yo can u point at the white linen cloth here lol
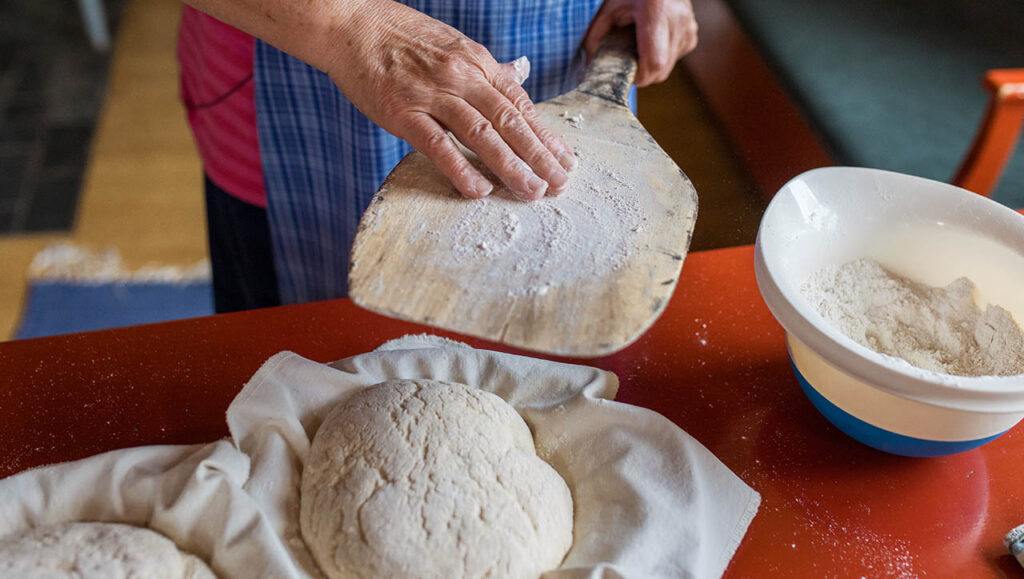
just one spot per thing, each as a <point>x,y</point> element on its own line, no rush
<point>650,501</point>
<point>191,494</point>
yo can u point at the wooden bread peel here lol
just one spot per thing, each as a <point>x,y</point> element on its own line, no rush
<point>583,274</point>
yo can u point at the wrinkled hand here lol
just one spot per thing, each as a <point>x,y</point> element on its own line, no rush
<point>666,30</point>
<point>417,77</point>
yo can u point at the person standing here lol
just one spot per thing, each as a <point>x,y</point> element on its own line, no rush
<point>300,109</point>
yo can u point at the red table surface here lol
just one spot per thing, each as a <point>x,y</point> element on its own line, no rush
<point>715,363</point>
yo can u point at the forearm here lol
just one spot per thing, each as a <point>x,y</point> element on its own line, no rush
<point>417,78</point>
<point>315,31</point>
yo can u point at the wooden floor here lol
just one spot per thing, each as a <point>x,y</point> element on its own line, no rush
<point>142,192</point>
<point>142,186</point>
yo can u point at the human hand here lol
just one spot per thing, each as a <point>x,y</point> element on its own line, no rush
<point>416,77</point>
<point>666,30</point>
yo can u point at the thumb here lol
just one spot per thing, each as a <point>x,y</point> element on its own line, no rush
<point>518,69</point>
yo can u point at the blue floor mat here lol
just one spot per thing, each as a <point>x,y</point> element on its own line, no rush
<point>62,307</point>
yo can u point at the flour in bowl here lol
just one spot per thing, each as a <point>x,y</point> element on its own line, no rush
<point>935,328</point>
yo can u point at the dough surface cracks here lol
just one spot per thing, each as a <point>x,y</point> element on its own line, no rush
<point>419,478</point>
<point>86,550</point>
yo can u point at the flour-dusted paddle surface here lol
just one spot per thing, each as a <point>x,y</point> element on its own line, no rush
<point>86,550</point>
<point>421,478</point>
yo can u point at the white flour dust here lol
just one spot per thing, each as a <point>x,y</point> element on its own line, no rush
<point>533,247</point>
<point>573,120</point>
<point>67,261</point>
<point>935,328</point>
<point>485,231</point>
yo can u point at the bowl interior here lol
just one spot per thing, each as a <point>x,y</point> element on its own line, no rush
<point>925,230</point>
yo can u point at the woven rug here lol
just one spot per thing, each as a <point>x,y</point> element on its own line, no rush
<point>76,290</point>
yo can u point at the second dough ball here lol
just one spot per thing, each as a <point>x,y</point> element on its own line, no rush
<point>419,478</point>
<point>91,550</point>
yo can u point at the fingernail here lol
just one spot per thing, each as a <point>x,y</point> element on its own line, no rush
<point>567,160</point>
<point>559,189</point>
<point>559,180</point>
<point>537,186</point>
<point>483,187</point>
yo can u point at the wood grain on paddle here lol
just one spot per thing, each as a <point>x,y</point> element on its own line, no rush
<point>583,274</point>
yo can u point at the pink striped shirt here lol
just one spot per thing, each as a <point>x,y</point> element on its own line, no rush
<point>216,63</point>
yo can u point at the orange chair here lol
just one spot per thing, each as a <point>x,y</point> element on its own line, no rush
<point>998,134</point>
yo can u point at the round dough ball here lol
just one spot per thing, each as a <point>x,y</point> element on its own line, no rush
<point>96,551</point>
<point>427,479</point>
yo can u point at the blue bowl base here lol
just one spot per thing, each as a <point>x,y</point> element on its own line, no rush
<point>882,439</point>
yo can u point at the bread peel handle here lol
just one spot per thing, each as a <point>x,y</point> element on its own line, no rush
<point>610,73</point>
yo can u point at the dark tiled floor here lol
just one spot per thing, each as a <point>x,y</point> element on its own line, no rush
<point>51,91</point>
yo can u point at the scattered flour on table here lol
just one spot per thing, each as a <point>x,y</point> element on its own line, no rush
<point>935,328</point>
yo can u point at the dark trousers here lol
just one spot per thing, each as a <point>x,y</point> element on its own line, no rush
<point>240,253</point>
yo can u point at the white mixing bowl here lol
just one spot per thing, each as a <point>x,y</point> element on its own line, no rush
<point>921,229</point>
